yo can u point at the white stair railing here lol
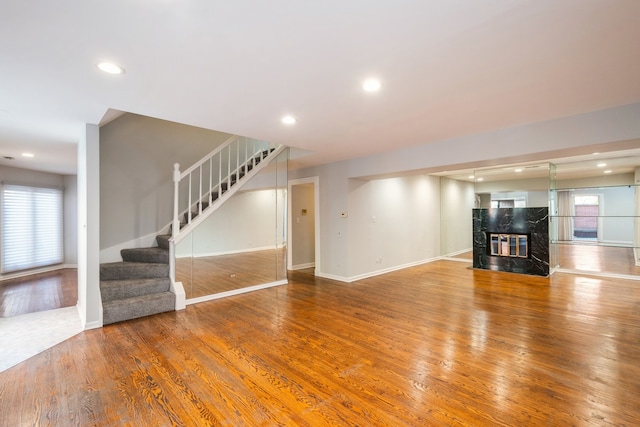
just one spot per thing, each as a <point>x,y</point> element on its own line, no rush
<point>214,178</point>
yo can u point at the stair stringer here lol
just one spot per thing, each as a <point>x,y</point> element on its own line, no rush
<point>216,204</point>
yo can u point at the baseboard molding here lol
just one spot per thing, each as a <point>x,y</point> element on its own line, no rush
<point>303,266</point>
<point>26,273</point>
<point>377,272</point>
<point>178,290</point>
<point>597,274</point>
<point>235,292</point>
<point>239,251</point>
<point>454,254</point>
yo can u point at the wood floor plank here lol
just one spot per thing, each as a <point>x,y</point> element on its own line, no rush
<point>39,292</point>
<point>438,344</point>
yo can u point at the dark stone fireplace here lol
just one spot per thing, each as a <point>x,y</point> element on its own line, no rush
<point>511,239</point>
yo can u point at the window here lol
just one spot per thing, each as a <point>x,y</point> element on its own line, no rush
<point>31,227</point>
<point>585,221</point>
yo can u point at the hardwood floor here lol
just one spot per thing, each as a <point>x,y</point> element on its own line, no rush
<point>596,258</point>
<point>438,344</point>
<point>210,275</point>
<point>39,292</point>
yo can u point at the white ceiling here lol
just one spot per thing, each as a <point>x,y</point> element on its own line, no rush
<point>448,68</point>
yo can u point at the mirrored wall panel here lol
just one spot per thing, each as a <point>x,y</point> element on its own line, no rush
<point>243,243</point>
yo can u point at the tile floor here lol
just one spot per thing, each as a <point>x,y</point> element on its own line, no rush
<point>24,336</point>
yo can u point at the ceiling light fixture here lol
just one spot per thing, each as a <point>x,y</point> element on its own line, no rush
<point>608,171</point>
<point>371,85</point>
<point>110,68</point>
<point>27,154</point>
<point>518,170</point>
<point>471,176</point>
<point>480,179</point>
<point>289,120</point>
<point>601,165</point>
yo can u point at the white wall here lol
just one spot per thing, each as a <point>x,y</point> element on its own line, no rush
<point>456,225</point>
<point>605,130</point>
<point>71,220</point>
<point>136,163</point>
<point>89,301</point>
<point>393,222</point>
<point>246,222</point>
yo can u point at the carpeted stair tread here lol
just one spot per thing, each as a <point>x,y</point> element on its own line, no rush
<point>150,255</point>
<point>133,270</point>
<point>121,289</point>
<point>163,240</point>
<point>140,306</point>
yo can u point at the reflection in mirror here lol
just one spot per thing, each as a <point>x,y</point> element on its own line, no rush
<point>242,243</point>
<point>595,219</point>
<point>594,208</point>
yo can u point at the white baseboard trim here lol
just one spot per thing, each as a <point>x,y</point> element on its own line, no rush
<point>93,325</point>
<point>377,272</point>
<point>235,252</point>
<point>448,258</point>
<point>235,292</point>
<point>453,254</point>
<point>112,254</point>
<point>178,290</point>
<point>597,274</point>
<point>303,266</point>
<point>332,277</point>
<point>26,273</point>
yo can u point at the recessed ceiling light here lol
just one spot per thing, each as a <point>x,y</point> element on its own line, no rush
<point>471,176</point>
<point>288,120</point>
<point>601,165</point>
<point>480,179</point>
<point>518,170</point>
<point>27,154</point>
<point>110,68</point>
<point>371,85</point>
<point>608,171</point>
<point>595,154</point>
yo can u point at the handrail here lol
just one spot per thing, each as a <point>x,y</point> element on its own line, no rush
<point>225,167</point>
<point>208,156</point>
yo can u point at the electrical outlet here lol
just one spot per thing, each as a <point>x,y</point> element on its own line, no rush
<point>378,260</point>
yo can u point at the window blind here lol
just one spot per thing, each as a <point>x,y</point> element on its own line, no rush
<point>31,227</point>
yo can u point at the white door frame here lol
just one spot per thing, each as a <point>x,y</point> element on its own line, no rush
<point>315,180</point>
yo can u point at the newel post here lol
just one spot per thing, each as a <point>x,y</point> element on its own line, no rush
<point>176,184</point>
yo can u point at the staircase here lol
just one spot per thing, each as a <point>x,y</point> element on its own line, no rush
<point>139,285</point>
<point>142,284</point>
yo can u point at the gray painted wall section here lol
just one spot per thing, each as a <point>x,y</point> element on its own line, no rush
<point>136,162</point>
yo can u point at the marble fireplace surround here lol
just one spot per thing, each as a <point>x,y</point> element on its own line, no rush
<point>533,222</point>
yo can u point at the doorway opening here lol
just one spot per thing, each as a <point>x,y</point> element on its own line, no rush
<point>585,220</point>
<point>303,231</point>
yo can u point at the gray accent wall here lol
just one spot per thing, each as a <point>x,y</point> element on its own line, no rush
<point>137,154</point>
